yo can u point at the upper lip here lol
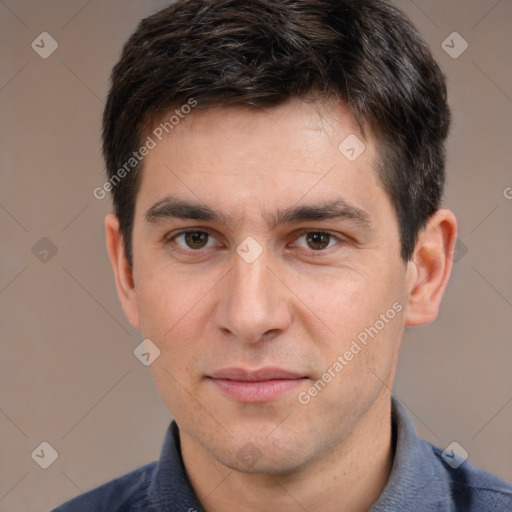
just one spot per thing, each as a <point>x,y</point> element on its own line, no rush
<point>261,374</point>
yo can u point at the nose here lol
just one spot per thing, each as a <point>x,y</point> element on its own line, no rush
<point>253,304</point>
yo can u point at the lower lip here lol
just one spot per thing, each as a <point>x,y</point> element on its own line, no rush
<point>261,391</point>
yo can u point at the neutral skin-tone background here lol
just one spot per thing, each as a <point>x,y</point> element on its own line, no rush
<point>68,373</point>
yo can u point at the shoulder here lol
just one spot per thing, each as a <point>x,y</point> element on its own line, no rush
<point>472,488</point>
<point>127,493</point>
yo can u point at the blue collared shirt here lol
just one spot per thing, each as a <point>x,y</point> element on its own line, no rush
<point>420,481</point>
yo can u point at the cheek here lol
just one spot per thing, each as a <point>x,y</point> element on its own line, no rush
<point>168,300</point>
<point>363,320</point>
<point>172,315</point>
<point>347,304</point>
<point>356,363</point>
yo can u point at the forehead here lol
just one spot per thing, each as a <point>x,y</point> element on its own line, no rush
<point>252,159</point>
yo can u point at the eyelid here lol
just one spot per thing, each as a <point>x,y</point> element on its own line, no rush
<point>171,236</point>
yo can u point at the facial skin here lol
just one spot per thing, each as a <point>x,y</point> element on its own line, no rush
<point>297,307</point>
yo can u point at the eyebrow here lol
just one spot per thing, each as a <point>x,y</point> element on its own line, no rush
<point>173,207</point>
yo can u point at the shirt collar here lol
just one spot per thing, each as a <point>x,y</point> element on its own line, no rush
<point>414,483</point>
<point>170,488</point>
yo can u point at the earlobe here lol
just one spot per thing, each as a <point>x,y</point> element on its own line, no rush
<point>430,268</point>
<point>122,271</point>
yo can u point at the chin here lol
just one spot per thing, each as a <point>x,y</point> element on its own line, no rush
<point>259,455</point>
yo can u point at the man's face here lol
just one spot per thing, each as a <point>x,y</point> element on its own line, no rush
<point>210,304</point>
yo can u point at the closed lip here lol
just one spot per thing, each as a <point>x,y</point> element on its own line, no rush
<point>259,375</point>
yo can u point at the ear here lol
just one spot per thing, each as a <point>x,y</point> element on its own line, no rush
<point>430,268</point>
<point>122,271</point>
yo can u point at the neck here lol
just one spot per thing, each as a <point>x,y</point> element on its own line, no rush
<point>350,478</point>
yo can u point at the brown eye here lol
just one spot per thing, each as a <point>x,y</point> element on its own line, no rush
<point>192,239</point>
<point>318,240</point>
<point>196,239</point>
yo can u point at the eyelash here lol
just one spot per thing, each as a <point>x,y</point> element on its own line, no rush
<point>169,240</point>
